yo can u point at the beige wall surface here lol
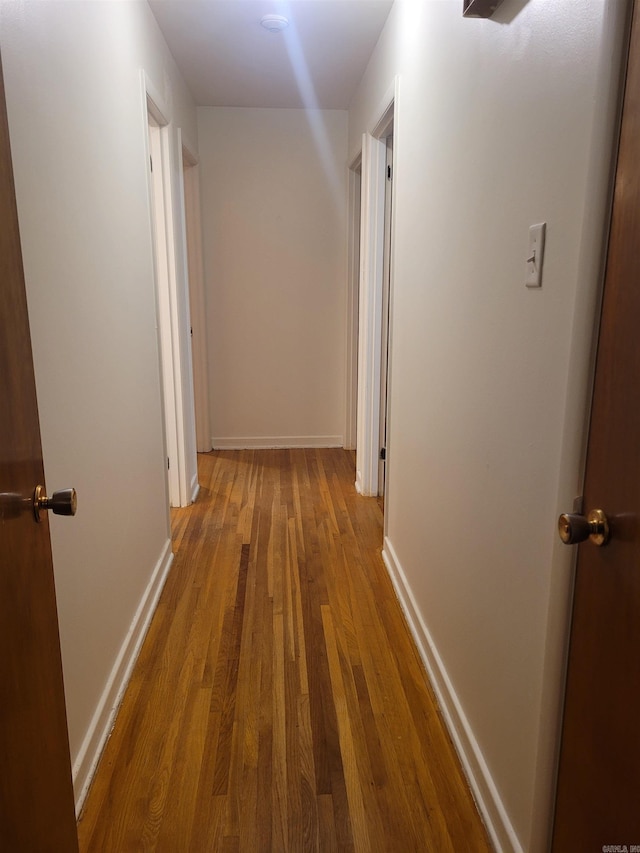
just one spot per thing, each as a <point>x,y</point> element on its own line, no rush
<point>500,124</point>
<point>77,126</point>
<point>274,194</point>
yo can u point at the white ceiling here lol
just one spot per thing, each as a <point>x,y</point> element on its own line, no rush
<point>228,59</point>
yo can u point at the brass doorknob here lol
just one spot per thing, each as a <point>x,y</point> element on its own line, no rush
<point>574,528</point>
<point>64,502</point>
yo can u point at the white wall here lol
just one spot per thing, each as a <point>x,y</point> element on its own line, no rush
<point>499,124</point>
<point>274,193</point>
<point>78,129</point>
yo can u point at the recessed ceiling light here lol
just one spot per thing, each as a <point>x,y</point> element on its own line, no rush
<point>274,23</point>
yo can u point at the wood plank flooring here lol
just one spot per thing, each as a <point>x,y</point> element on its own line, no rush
<point>278,703</point>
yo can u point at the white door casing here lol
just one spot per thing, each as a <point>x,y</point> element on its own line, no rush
<point>197,299</point>
<point>170,269</point>
<point>353,294</point>
<point>370,314</point>
<point>370,305</point>
<point>386,315</point>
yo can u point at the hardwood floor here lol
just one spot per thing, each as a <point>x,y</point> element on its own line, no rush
<point>278,703</point>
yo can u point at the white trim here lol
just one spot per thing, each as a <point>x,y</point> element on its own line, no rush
<point>353,283</point>
<point>107,708</point>
<point>486,794</point>
<point>383,115</point>
<point>176,286</point>
<point>167,218</point>
<point>372,221</point>
<point>385,326</point>
<point>264,442</point>
<point>370,312</point>
<point>385,126</point>
<point>164,302</point>
<point>379,114</point>
<point>197,302</point>
<point>163,325</point>
<point>184,355</point>
<point>392,117</point>
<point>154,103</point>
<point>153,110</point>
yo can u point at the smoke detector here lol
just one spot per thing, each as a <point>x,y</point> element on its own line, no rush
<point>274,23</point>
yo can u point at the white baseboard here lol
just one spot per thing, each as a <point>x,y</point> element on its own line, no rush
<point>195,488</point>
<point>482,785</point>
<point>84,767</point>
<point>267,442</point>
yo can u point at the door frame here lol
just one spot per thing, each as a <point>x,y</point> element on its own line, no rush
<point>370,333</point>
<point>197,300</point>
<point>189,486</point>
<point>353,290</point>
<point>167,222</point>
<point>385,350</point>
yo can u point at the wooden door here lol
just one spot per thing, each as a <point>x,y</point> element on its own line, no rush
<point>598,796</point>
<point>36,795</point>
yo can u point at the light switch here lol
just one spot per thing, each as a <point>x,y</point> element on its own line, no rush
<point>535,255</point>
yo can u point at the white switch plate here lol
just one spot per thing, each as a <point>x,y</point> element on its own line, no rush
<point>535,256</point>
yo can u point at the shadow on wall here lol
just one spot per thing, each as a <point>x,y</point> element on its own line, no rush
<point>508,11</point>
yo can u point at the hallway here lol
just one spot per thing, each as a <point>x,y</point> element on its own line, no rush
<point>278,703</point>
